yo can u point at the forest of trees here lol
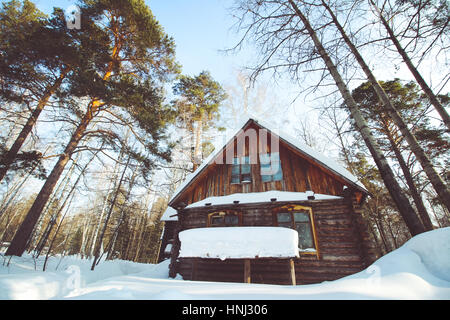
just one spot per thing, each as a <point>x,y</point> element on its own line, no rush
<point>129,125</point>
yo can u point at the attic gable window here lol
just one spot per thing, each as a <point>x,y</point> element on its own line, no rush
<point>270,167</point>
<point>241,170</point>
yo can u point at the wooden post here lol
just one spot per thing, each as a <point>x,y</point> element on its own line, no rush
<point>247,278</point>
<point>292,271</point>
<point>194,269</point>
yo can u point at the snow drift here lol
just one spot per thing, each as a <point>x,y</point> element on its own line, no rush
<point>420,269</point>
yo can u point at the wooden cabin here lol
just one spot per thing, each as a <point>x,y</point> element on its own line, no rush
<point>264,178</point>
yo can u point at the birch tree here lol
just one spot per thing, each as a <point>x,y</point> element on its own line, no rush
<point>443,30</point>
<point>286,23</point>
<point>435,178</point>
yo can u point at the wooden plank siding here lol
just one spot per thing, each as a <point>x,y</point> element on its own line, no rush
<point>338,243</point>
<point>299,175</point>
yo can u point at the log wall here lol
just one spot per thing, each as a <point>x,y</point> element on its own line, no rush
<point>339,236</point>
<point>167,238</point>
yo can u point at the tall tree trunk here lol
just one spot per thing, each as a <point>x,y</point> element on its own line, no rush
<point>435,179</point>
<point>112,242</point>
<point>105,202</point>
<point>19,242</point>
<point>423,213</point>
<point>54,218</point>
<point>50,248</point>
<point>55,196</point>
<point>12,152</point>
<point>141,228</point>
<point>406,210</point>
<point>84,235</point>
<point>380,227</point>
<point>391,232</point>
<point>100,240</point>
<point>198,144</point>
<point>430,94</point>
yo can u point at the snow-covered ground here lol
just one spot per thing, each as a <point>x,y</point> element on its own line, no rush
<point>420,269</point>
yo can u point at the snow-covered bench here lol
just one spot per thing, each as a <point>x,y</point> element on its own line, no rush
<point>241,243</point>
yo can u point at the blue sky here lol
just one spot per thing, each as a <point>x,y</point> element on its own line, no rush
<point>201,28</point>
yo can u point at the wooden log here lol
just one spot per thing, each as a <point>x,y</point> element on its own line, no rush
<point>292,271</point>
<point>247,271</point>
<point>194,269</point>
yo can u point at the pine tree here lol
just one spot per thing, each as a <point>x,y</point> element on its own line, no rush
<point>75,243</point>
<point>141,57</point>
<point>412,106</point>
<point>32,74</point>
<point>197,108</point>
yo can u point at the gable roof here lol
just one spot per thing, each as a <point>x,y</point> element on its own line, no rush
<point>305,150</point>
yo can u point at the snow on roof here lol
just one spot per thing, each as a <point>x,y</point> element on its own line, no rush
<point>257,197</point>
<point>168,248</point>
<point>329,163</point>
<point>239,242</point>
<point>168,213</point>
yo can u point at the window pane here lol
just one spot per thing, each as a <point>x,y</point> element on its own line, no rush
<point>284,217</point>
<point>267,178</point>
<point>245,168</point>
<point>285,225</point>
<point>231,219</point>
<point>305,238</point>
<point>246,178</point>
<point>235,179</point>
<point>264,158</point>
<point>235,169</point>
<point>275,157</point>
<point>235,160</point>
<point>301,217</point>
<point>270,167</point>
<point>216,221</point>
<point>279,175</point>
<point>266,170</point>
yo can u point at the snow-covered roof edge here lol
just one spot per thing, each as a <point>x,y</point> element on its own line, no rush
<point>190,177</point>
<point>260,197</point>
<point>169,215</point>
<point>303,148</point>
